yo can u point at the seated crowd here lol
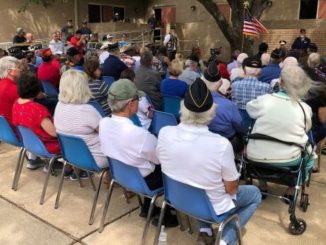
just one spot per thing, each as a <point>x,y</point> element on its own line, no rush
<point>285,97</point>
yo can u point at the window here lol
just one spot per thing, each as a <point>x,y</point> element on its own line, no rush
<point>103,13</point>
<point>308,9</point>
<point>94,13</point>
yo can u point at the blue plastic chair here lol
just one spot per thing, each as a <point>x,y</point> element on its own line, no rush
<point>97,106</point>
<point>130,178</point>
<point>171,104</point>
<point>33,144</point>
<point>8,136</point>
<point>49,89</point>
<point>108,80</point>
<point>193,202</point>
<point>136,120</point>
<point>246,120</point>
<point>161,119</point>
<point>75,152</point>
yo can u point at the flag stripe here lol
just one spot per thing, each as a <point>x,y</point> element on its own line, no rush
<point>252,26</point>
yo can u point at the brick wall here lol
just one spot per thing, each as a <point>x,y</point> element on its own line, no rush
<point>316,35</point>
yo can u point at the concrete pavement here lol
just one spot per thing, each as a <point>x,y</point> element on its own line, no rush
<point>24,221</point>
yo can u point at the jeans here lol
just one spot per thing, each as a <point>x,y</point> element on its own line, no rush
<point>248,199</point>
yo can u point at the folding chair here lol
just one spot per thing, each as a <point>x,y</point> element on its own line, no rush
<point>171,104</point>
<point>193,202</point>
<point>8,136</point>
<point>130,178</point>
<point>76,153</point>
<point>33,144</point>
<point>49,89</point>
<point>161,119</point>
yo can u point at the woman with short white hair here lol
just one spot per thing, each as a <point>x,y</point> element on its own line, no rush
<point>238,73</point>
<point>74,116</point>
<point>283,116</point>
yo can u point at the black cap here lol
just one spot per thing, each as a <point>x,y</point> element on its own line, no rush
<point>198,98</point>
<point>72,52</point>
<point>278,53</point>
<point>252,62</point>
<point>212,73</point>
<point>194,58</point>
<point>79,32</point>
<point>282,42</point>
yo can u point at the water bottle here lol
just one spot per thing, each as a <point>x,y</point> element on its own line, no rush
<point>163,238</point>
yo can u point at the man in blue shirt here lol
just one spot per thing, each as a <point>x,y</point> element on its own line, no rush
<point>273,69</point>
<point>249,88</point>
<point>113,66</point>
<point>227,121</point>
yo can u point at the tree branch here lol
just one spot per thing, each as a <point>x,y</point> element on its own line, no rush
<point>225,27</point>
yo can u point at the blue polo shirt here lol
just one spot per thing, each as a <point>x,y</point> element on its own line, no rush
<point>113,67</point>
<point>227,121</point>
<point>174,87</point>
<point>270,72</point>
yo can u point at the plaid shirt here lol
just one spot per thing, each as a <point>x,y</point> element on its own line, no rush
<point>248,89</point>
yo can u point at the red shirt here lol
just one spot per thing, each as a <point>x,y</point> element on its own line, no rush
<point>49,72</point>
<point>8,96</point>
<point>73,41</point>
<point>224,71</point>
<point>30,115</point>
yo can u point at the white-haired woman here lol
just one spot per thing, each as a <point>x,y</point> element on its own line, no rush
<point>285,117</point>
<point>74,116</point>
<point>238,73</point>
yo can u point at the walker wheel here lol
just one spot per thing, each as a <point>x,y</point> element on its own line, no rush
<point>297,227</point>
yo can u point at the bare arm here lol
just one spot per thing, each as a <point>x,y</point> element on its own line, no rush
<point>231,187</point>
<point>48,127</point>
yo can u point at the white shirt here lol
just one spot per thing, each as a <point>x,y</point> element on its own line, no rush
<point>144,108</point>
<point>103,56</point>
<point>81,120</point>
<point>195,156</point>
<point>277,116</point>
<point>128,143</point>
<point>56,47</point>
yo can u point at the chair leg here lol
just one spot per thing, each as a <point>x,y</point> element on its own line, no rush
<point>47,180</point>
<point>77,174</point>
<point>106,206</point>
<point>56,205</point>
<point>19,164</point>
<point>235,218</point>
<point>160,220</point>
<point>91,179</point>
<point>148,219</point>
<point>91,218</point>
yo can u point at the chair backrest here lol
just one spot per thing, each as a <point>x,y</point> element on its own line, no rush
<point>128,176</point>
<point>108,80</point>
<point>76,152</point>
<point>97,106</point>
<point>161,119</point>
<point>7,134</point>
<point>188,199</point>
<point>136,120</point>
<point>171,104</point>
<point>49,89</point>
<point>246,120</point>
<point>32,142</point>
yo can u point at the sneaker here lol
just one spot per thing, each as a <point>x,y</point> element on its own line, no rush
<point>35,164</point>
<point>82,175</point>
<point>56,167</point>
<point>205,239</point>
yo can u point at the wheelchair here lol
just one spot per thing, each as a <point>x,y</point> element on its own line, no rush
<point>282,175</point>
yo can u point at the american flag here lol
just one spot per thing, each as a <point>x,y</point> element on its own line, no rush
<point>252,26</point>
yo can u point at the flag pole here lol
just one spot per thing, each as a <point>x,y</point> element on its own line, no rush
<point>245,5</point>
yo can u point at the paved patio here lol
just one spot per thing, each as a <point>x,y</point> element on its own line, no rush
<point>24,221</point>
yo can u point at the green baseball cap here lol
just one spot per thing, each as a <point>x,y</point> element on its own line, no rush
<point>124,89</point>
